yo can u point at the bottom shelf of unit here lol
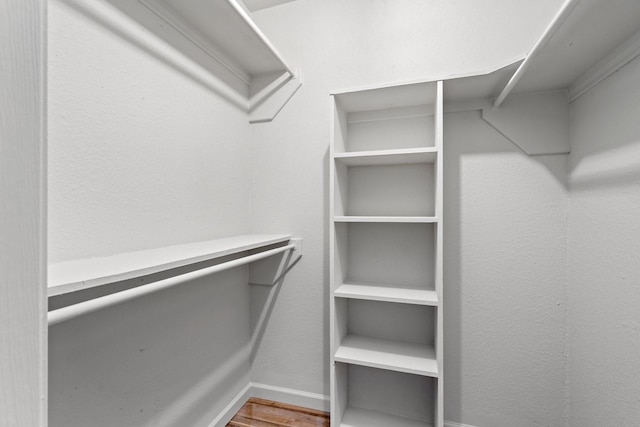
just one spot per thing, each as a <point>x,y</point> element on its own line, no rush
<point>356,417</point>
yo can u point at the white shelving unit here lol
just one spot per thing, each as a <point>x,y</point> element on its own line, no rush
<point>386,256</point>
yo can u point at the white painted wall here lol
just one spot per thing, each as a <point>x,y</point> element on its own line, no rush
<point>505,213</point>
<point>505,280</point>
<point>142,156</point>
<point>604,249</point>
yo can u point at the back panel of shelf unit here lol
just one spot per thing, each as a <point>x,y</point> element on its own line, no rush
<point>387,190</point>
<point>389,129</point>
<point>395,393</point>
<point>385,253</point>
<point>390,321</point>
<point>385,118</point>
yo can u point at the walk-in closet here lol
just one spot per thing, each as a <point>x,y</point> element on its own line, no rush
<point>336,213</point>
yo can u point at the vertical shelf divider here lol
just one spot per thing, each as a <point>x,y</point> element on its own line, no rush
<point>439,255</point>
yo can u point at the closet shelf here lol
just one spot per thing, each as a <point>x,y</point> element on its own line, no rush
<point>586,41</point>
<point>73,276</point>
<point>386,354</point>
<point>387,293</point>
<point>387,157</point>
<point>225,30</point>
<point>227,51</point>
<point>391,219</point>
<point>357,417</point>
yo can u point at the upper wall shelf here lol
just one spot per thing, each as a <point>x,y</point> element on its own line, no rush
<point>224,29</point>
<point>587,41</point>
<point>221,37</point>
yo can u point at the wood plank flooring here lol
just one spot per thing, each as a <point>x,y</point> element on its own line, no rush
<point>267,413</point>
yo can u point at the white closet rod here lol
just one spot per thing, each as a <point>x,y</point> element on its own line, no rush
<point>85,307</point>
<point>557,21</point>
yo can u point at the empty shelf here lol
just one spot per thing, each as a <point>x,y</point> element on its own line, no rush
<point>72,276</point>
<point>389,293</point>
<point>408,219</point>
<point>357,417</point>
<point>397,356</point>
<point>387,157</point>
<point>224,30</point>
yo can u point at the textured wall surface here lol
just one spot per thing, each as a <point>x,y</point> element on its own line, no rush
<point>510,264</point>
<point>505,280</point>
<point>174,358</point>
<point>604,250</point>
<point>142,156</point>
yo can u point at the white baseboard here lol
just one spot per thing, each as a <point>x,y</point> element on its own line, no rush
<point>305,399</point>
<point>316,401</point>
<point>232,408</point>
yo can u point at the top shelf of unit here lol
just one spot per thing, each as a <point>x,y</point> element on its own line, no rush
<point>387,157</point>
<point>73,276</point>
<point>387,97</point>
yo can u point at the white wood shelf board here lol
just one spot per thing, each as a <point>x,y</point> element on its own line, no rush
<point>387,157</point>
<point>481,86</point>
<point>388,293</point>
<point>388,219</point>
<point>392,355</point>
<point>407,95</point>
<point>591,31</point>
<point>357,417</point>
<point>222,25</point>
<point>76,275</point>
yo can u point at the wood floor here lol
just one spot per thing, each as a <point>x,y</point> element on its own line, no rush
<point>266,413</point>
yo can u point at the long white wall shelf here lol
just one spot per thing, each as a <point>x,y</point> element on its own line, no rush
<point>575,51</point>
<point>397,356</point>
<point>226,31</point>
<point>387,293</point>
<point>219,255</point>
<point>73,276</point>
<point>221,38</point>
<point>585,42</point>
